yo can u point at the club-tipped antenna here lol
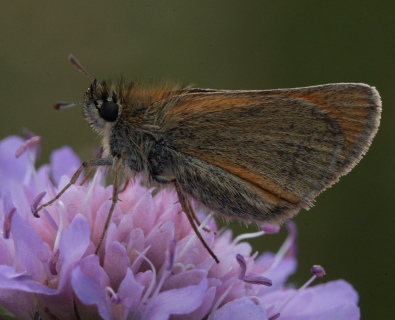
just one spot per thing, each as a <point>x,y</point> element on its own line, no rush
<point>79,66</point>
<point>64,105</point>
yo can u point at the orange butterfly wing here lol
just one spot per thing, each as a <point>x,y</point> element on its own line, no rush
<point>289,144</point>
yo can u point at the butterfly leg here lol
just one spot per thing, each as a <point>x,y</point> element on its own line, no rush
<point>87,164</point>
<point>187,208</point>
<point>115,192</point>
<point>197,220</point>
<point>92,170</point>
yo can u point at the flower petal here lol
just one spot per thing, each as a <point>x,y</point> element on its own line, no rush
<point>130,292</point>
<point>90,291</point>
<point>144,213</point>
<point>332,300</point>
<point>116,263</point>
<point>279,275</point>
<point>11,168</point>
<point>160,240</point>
<point>242,308</point>
<point>73,244</point>
<point>176,301</point>
<point>32,253</point>
<point>64,162</point>
<point>74,241</point>
<point>23,291</point>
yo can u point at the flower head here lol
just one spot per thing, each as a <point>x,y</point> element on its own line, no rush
<point>151,264</point>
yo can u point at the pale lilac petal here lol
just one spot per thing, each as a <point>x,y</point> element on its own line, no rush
<point>280,274</point>
<point>203,310</point>
<point>74,241</point>
<point>187,278</point>
<point>90,265</point>
<point>136,243</point>
<point>11,168</point>
<point>112,234</point>
<point>242,308</point>
<point>64,162</point>
<point>33,254</point>
<point>101,217</point>
<point>100,213</point>
<point>335,299</point>
<point>145,278</point>
<point>130,292</point>
<point>90,292</point>
<point>22,289</point>
<point>9,279</point>
<point>176,301</point>
<point>12,300</point>
<point>8,204</point>
<point>125,227</point>
<point>144,213</point>
<point>160,240</point>
<point>116,263</point>
<point>6,254</point>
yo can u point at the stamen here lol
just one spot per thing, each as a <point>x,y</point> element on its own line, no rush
<point>270,228</point>
<point>53,261</point>
<point>61,224</point>
<point>258,280</point>
<point>28,144</point>
<point>194,236</point>
<point>256,300</point>
<point>93,183</point>
<point>172,254</point>
<point>251,279</point>
<point>152,284</point>
<point>115,298</point>
<point>37,201</point>
<point>287,245</point>
<point>178,267</point>
<point>275,316</point>
<point>243,266</point>
<point>135,265</point>
<point>190,266</point>
<point>318,271</point>
<point>7,223</point>
<point>245,236</point>
<point>162,279</point>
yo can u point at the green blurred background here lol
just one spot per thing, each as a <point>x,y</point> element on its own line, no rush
<point>224,45</point>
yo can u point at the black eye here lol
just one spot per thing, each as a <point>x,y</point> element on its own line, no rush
<point>109,111</point>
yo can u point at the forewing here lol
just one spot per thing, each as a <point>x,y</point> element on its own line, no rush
<point>291,143</point>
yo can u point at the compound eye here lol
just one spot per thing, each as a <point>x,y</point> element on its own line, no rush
<point>109,111</point>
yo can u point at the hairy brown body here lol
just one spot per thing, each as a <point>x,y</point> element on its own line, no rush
<point>250,155</point>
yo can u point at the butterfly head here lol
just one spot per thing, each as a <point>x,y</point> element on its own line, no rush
<point>101,106</point>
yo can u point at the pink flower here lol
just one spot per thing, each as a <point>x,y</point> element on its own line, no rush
<point>151,264</point>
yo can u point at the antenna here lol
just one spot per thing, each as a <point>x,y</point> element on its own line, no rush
<point>64,105</point>
<point>79,66</point>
